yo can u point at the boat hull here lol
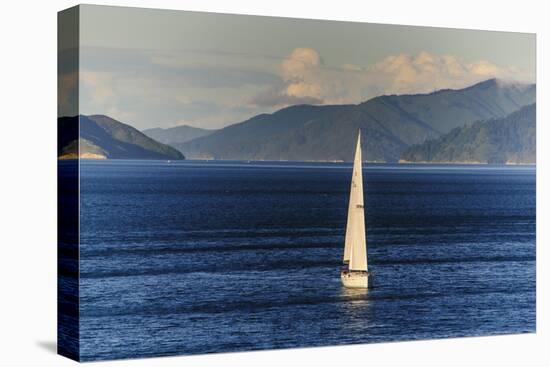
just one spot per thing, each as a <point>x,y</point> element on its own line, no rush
<point>355,279</point>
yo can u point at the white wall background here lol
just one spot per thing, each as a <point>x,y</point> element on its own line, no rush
<point>28,182</point>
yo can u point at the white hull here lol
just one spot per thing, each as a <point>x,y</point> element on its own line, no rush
<point>355,279</point>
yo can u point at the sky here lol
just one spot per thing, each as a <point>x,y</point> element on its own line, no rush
<point>162,68</point>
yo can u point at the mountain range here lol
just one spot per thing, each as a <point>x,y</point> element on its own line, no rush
<point>511,140</point>
<point>389,124</point>
<point>102,137</point>
<point>474,124</point>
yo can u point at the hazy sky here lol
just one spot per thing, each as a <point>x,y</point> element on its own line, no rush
<point>161,68</point>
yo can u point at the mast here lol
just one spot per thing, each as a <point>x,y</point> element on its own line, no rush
<point>355,249</point>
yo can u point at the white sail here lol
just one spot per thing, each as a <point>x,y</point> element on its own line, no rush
<point>355,249</point>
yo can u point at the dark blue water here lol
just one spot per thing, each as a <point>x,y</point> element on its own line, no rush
<point>184,258</point>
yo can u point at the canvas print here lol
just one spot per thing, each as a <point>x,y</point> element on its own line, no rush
<point>235,183</point>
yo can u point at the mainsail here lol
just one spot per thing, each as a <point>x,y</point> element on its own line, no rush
<point>355,250</point>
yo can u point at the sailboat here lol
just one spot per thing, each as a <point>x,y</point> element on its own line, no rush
<point>355,273</point>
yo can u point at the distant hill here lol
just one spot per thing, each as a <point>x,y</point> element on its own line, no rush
<point>390,124</point>
<point>176,135</point>
<point>102,137</point>
<point>511,139</point>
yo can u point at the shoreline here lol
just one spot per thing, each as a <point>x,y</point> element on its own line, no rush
<point>400,162</point>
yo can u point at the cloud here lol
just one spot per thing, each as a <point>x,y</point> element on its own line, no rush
<point>427,72</point>
<point>306,78</point>
<point>212,89</point>
<point>300,73</point>
<point>159,88</point>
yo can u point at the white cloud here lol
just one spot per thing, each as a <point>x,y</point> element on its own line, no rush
<point>305,76</point>
<point>214,89</point>
<point>298,71</point>
<point>426,72</point>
